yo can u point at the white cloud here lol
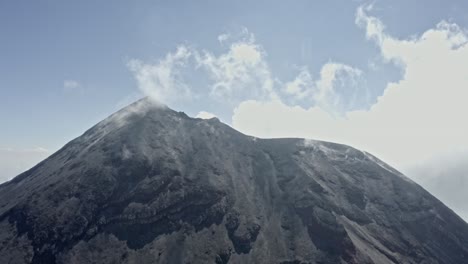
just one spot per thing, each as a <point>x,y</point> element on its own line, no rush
<point>162,81</point>
<point>324,92</point>
<point>445,37</point>
<point>446,177</point>
<point>301,87</point>
<point>240,72</point>
<point>373,26</point>
<point>71,85</point>
<point>420,116</point>
<point>269,119</point>
<point>205,115</point>
<point>122,117</point>
<point>223,37</point>
<point>335,75</point>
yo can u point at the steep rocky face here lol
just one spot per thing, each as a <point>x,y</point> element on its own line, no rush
<point>151,185</point>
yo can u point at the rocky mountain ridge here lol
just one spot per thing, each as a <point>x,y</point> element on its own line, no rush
<point>152,185</point>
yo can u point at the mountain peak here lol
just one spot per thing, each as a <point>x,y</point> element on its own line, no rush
<point>149,184</point>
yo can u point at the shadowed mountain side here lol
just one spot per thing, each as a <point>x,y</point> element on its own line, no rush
<point>151,185</point>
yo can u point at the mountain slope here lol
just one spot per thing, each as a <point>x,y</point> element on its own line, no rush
<point>151,185</point>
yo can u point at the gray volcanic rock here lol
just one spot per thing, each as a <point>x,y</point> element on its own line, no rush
<point>151,185</point>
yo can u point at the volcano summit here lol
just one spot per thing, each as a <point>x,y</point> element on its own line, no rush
<point>152,185</point>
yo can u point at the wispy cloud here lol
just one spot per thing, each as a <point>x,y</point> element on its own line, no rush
<point>301,87</point>
<point>241,73</point>
<point>205,115</point>
<point>162,80</point>
<point>223,37</point>
<point>324,91</point>
<point>71,85</point>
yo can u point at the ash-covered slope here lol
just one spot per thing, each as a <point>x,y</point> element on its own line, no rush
<point>151,185</point>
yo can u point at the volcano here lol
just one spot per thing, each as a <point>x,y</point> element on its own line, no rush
<point>152,185</point>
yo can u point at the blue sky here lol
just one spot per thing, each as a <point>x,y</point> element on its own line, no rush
<point>316,69</point>
<point>45,43</point>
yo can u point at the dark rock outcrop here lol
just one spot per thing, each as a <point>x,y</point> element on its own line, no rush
<point>151,185</point>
